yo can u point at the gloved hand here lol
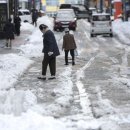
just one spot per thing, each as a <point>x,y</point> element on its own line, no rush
<point>50,53</point>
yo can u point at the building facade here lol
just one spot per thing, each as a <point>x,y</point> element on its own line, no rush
<point>51,5</point>
<point>23,4</point>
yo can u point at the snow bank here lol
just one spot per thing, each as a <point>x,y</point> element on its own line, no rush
<point>16,102</point>
<point>30,121</point>
<point>122,29</point>
<point>11,67</point>
<point>35,40</point>
<point>47,21</point>
<point>27,27</point>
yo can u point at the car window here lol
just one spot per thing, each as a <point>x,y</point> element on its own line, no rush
<point>101,18</point>
<point>65,6</point>
<point>68,12</point>
<point>59,15</point>
<point>83,12</point>
<point>20,13</point>
<point>26,13</point>
<point>65,15</point>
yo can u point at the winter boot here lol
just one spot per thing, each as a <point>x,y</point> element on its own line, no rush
<point>52,77</point>
<point>73,63</point>
<point>43,77</point>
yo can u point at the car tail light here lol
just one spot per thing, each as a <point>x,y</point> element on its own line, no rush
<point>73,22</point>
<point>57,22</point>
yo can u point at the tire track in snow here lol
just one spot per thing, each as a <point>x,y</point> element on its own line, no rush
<point>83,96</point>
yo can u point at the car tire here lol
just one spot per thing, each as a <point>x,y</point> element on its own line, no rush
<point>55,29</point>
<point>25,21</point>
<point>111,35</point>
<point>74,29</point>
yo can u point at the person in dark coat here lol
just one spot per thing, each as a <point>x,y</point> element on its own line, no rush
<point>50,50</point>
<point>9,32</point>
<point>69,44</point>
<point>34,17</point>
<point>17,21</point>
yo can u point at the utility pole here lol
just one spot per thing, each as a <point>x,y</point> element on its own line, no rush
<point>8,8</point>
<point>110,6</point>
<point>124,10</point>
<point>33,2</point>
<point>101,6</point>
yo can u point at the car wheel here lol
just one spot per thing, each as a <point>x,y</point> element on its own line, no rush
<point>55,29</point>
<point>74,29</point>
<point>111,35</point>
<point>25,21</point>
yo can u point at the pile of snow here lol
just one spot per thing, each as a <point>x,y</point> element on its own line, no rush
<point>35,40</point>
<point>34,46</point>
<point>122,29</point>
<point>45,20</point>
<point>25,26</point>
<point>11,67</point>
<point>31,50</point>
<point>30,121</point>
<point>16,102</point>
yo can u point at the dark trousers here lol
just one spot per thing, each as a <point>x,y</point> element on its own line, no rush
<point>34,21</point>
<point>17,30</point>
<point>66,55</point>
<point>51,61</point>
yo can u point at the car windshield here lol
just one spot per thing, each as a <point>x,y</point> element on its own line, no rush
<point>65,15</point>
<point>101,18</point>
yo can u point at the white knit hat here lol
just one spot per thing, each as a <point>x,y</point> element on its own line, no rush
<point>66,29</point>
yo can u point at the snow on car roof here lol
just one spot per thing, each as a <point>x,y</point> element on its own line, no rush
<point>81,7</point>
<point>95,13</point>
<point>3,1</point>
<point>64,9</point>
<point>23,10</point>
<point>92,8</point>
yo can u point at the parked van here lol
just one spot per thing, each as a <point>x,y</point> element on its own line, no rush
<point>101,24</point>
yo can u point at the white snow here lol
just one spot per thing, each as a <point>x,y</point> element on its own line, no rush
<point>19,109</point>
<point>11,67</point>
<point>122,29</point>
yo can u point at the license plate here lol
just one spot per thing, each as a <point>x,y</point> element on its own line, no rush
<point>65,26</point>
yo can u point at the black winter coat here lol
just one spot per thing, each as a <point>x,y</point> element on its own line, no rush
<point>17,21</point>
<point>34,15</point>
<point>50,44</point>
<point>9,30</point>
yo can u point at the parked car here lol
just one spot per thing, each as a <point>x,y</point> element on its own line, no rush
<point>101,24</point>
<point>65,18</point>
<point>25,15</point>
<point>91,10</point>
<point>82,14</point>
<point>80,11</point>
